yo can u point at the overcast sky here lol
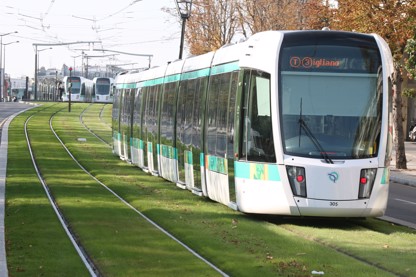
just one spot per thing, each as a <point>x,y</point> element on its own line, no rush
<point>133,26</point>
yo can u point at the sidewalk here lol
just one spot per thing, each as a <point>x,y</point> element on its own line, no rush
<point>4,140</point>
<point>404,176</point>
<point>3,168</point>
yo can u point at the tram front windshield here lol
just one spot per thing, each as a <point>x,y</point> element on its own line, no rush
<point>330,95</point>
<point>102,87</point>
<point>75,85</point>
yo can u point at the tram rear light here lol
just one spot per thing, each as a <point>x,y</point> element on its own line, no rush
<point>297,180</point>
<point>367,178</point>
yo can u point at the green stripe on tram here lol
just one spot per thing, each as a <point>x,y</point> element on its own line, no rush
<point>126,86</point>
<point>257,171</point>
<point>196,74</point>
<point>153,82</point>
<point>172,78</point>
<point>223,68</point>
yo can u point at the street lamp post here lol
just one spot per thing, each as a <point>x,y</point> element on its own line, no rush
<point>4,61</point>
<point>1,61</point>
<point>37,68</point>
<point>184,9</point>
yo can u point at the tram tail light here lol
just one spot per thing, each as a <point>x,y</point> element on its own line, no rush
<point>366,182</point>
<point>297,180</point>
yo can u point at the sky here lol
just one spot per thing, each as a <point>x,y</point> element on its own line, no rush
<point>130,26</point>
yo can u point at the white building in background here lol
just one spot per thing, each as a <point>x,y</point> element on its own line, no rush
<point>18,87</point>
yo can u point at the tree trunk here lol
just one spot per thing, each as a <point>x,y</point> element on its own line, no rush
<point>401,162</point>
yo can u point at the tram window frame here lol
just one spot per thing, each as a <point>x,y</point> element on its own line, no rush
<point>199,111</point>
<point>211,115</point>
<point>220,115</point>
<point>137,116</point>
<point>190,95</point>
<point>166,124</point>
<point>116,109</point>
<point>256,144</point>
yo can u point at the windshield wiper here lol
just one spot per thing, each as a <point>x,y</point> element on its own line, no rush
<point>302,124</point>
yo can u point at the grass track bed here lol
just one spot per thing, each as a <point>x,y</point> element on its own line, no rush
<point>123,244</point>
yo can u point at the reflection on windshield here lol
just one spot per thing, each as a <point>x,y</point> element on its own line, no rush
<point>103,89</point>
<point>340,117</point>
<point>311,136</point>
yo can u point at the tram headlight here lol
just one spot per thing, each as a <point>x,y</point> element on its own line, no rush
<point>297,180</point>
<point>366,182</point>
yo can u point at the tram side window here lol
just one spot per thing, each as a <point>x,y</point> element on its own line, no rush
<point>151,116</point>
<point>231,115</point>
<point>258,143</point>
<point>167,112</point>
<point>181,118</point>
<point>116,110</point>
<point>137,117</point>
<point>201,85</point>
<point>212,114</point>
<point>83,89</point>
<point>223,92</point>
<point>221,107</point>
<point>188,112</point>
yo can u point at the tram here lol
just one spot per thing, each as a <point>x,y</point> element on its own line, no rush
<point>288,123</point>
<point>77,85</point>
<point>100,90</point>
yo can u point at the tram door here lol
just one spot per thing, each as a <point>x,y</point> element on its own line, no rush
<point>256,155</point>
<point>219,137</point>
<point>137,141</point>
<point>189,118</point>
<point>151,128</point>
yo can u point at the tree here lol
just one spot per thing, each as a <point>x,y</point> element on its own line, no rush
<point>411,52</point>
<point>213,23</point>
<point>394,21</point>
<point>263,15</point>
<point>317,14</point>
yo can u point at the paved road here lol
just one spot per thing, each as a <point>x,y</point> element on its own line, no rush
<point>402,202</point>
<point>9,108</point>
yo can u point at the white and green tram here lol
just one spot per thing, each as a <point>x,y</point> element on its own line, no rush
<point>287,122</point>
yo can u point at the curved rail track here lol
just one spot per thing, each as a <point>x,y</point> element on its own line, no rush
<point>92,268</point>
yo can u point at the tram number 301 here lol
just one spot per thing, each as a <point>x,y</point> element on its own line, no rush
<point>333,204</point>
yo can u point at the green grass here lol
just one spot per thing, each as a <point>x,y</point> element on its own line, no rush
<point>36,244</point>
<point>100,125</point>
<point>123,244</point>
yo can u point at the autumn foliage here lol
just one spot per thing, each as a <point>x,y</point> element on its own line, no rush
<point>215,23</point>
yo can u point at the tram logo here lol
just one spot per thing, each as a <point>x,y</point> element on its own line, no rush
<point>333,176</point>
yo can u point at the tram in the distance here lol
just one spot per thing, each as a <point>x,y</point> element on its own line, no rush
<point>287,122</point>
<point>101,90</point>
<point>77,86</point>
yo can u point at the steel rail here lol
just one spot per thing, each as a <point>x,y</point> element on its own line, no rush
<point>92,269</point>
